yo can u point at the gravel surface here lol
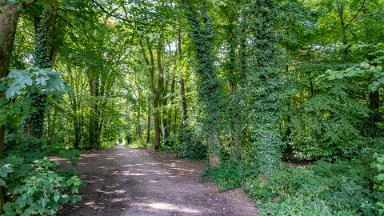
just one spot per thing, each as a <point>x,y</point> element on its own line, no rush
<point>124,181</point>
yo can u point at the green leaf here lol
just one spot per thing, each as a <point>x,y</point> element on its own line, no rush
<point>42,80</point>
<point>364,65</point>
<point>380,177</point>
<point>5,170</point>
<point>21,80</point>
<point>56,196</point>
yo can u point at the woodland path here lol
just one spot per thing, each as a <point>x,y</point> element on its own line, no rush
<point>124,181</point>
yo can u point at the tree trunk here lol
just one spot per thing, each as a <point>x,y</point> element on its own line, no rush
<point>232,59</point>
<point>94,121</point>
<point>8,23</point>
<point>156,90</point>
<point>9,17</point>
<point>172,102</point>
<point>45,53</point>
<point>164,103</point>
<point>77,128</point>
<point>156,122</point>
<point>138,123</point>
<point>343,31</point>
<point>184,111</point>
<point>149,123</point>
<point>202,35</point>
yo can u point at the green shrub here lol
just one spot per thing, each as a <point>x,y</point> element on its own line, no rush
<point>300,206</point>
<point>194,149</point>
<point>379,181</point>
<point>43,192</point>
<point>340,188</point>
<point>34,185</point>
<point>227,176</point>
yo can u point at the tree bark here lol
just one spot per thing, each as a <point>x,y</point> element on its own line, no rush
<point>9,18</point>
<point>8,24</point>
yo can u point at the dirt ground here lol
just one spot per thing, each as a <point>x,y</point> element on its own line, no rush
<point>124,181</point>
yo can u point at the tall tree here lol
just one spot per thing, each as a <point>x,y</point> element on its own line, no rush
<point>156,87</point>
<point>202,35</point>
<point>265,83</point>
<point>45,55</point>
<point>9,16</point>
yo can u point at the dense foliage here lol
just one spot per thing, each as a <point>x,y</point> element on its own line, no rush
<point>282,98</point>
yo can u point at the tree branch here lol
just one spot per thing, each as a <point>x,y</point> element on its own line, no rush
<point>119,17</point>
<point>355,16</point>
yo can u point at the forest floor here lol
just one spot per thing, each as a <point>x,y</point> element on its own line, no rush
<point>123,181</point>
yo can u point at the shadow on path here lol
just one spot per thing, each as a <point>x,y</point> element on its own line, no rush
<point>126,181</point>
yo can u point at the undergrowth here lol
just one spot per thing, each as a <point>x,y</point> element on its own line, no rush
<point>344,187</point>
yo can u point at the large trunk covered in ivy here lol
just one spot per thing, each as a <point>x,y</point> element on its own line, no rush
<point>202,34</point>
<point>45,53</point>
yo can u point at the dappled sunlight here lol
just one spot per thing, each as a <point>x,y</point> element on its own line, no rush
<point>111,192</point>
<point>133,165</point>
<point>168,207</point>
<point>90,203</point>
<point>128,173</point>
<point>138,185</point>
<point>184,170</point>
<point>153,164</point>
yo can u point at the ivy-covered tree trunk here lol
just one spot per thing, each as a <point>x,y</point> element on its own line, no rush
<point>202,34</point>
<point>265,82</point>
<point>45,54</point>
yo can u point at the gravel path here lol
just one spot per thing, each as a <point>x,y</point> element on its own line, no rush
<point>125,181</point>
